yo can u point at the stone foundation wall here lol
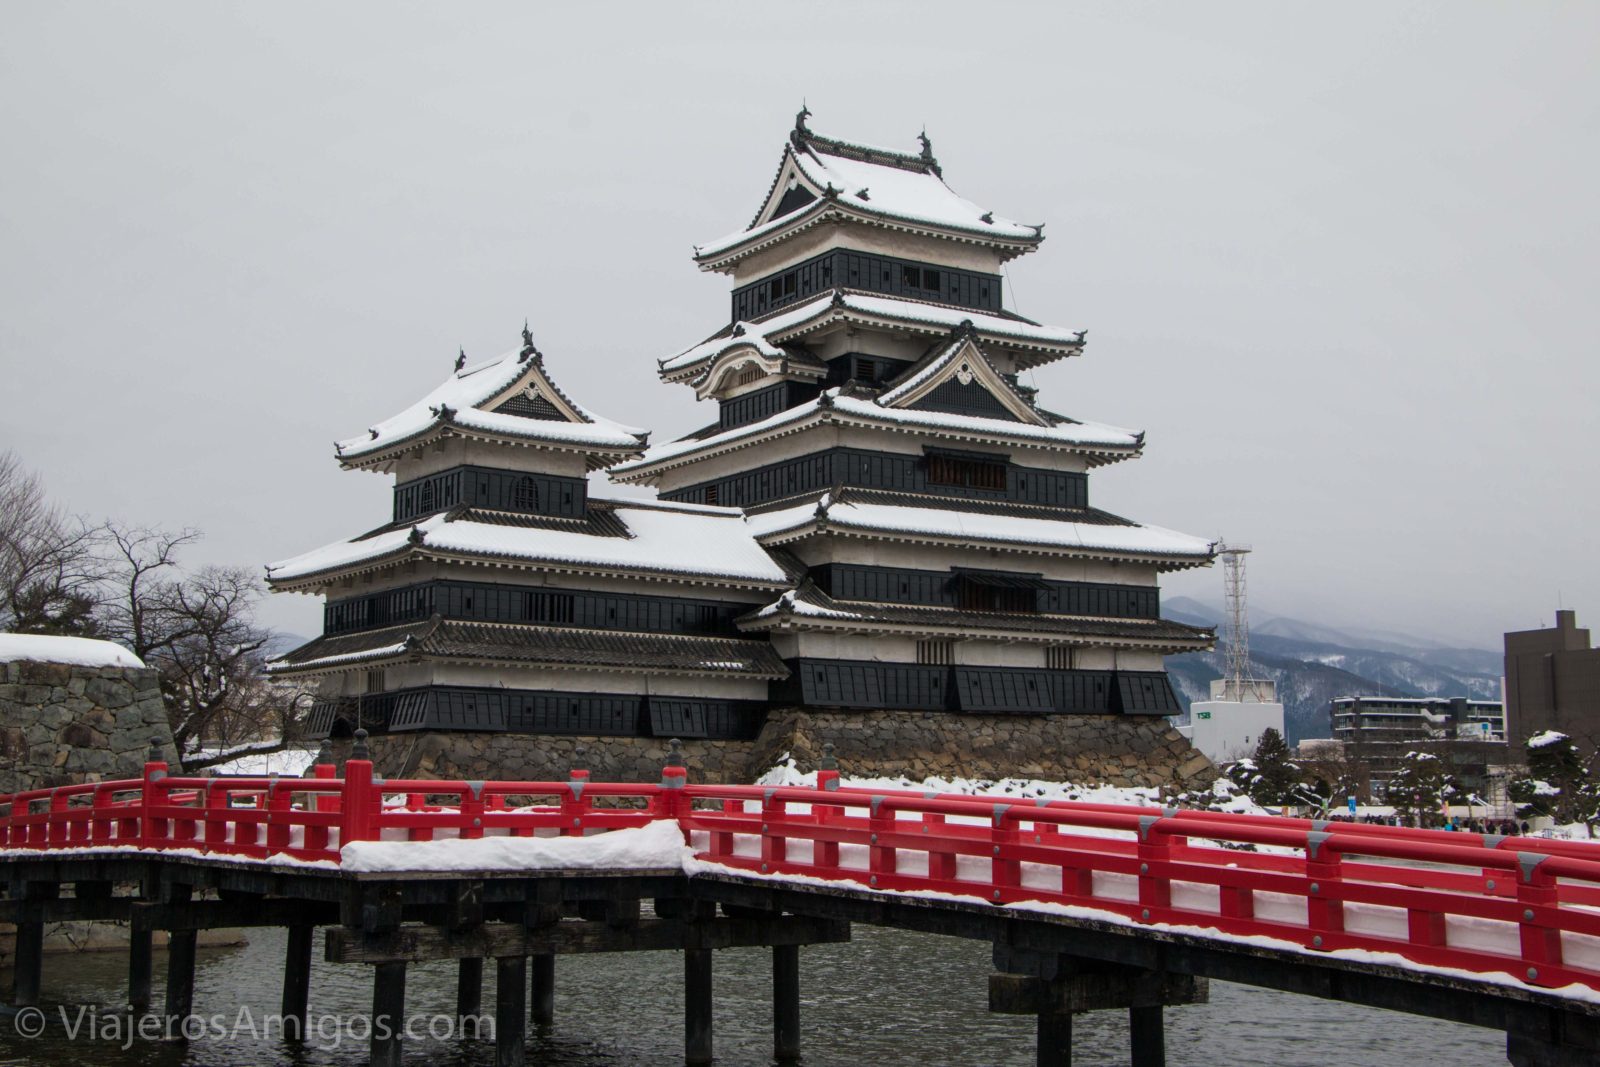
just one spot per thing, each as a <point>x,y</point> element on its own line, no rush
<point>1114,750</point>
<point>64,725</point>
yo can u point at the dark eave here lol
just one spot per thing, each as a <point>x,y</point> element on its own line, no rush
<point>546,646</point>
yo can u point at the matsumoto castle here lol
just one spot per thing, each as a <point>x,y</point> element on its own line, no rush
<point>879,517</point>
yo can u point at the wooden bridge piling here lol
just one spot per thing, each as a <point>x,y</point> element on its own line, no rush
<point>469,988</point>
<point>1147,1035</point>
<point>785,1002</point>
<point>180,960</point>
<point>296,1001</point>
<point>388,1013</point>
<point>511,1011</point>
<point>697,1003</point>
<point>141,964</point>
<point>542,989</point>
<point>1053,1040</point>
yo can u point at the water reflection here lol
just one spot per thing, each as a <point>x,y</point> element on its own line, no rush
<point>887,999</point>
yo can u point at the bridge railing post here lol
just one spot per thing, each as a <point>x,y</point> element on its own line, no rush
<point>825,854</point>
<point>575,807</point>
<point>214,832</point>
<point>941,862</point>
<point>359,806</point>
<point>155,794</point>
<point>1153,852</point>
<point>472,808</point>
<point>280,802</point>
<point>1324,893</point>
<point>1536,895</point>
<point>880,852</point>
<point>1005,872</point>
<point>672,802</point>
<point>774,842</point>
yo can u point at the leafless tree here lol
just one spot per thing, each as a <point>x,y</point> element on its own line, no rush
<point>199,630</point>
<point>49,569</point>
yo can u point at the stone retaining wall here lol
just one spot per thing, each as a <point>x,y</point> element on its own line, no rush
<point>1115,750</point>
<point>64,725</point>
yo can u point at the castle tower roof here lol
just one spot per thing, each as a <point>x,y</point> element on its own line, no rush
<point>510,399</point>
<point>821,179</point>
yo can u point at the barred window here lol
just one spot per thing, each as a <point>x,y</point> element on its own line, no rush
<point>936,653</point>
<point>966,473</point>
<point>525,497</point>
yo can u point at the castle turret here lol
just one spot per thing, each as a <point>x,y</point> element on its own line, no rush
<point>501,596</point>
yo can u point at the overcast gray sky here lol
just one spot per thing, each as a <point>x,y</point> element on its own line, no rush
<point>1339,261</point>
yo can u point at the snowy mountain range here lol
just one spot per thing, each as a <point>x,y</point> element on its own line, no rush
<point>1313,663</point>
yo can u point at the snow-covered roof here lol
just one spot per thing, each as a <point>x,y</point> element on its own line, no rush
<point>970,527</point>
<point>874,185</point>
<point>834,406</point>
<point>467,397</point>
<point>1546,737</point>
<point>76,651</point>
<point>961,359</point>
<point>811,608</point>
<point>695,543</point>
<point>769,333</point>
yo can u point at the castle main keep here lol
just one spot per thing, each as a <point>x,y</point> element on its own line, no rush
<point>883,524</point>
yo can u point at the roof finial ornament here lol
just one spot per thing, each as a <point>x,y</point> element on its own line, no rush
<point>1080,335</point>
<point>800,132</point>
<point>927,153</point>
<point>461,360</point>
<point>527,345</point>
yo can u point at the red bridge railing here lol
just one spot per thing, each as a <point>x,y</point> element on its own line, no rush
<point>1529,908</point>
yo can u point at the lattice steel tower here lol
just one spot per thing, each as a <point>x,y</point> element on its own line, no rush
<point>1236,649</point>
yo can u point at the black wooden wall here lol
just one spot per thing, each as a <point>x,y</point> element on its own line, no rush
<point>842,269</point>
<point>536,712</point>
<point>903,585</point>
<point>483,602</point>
<point>485,487</point>
<point>880,470</point>
<point>974,690</point>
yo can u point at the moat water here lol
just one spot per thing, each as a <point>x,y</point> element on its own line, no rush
<point>887,999</point>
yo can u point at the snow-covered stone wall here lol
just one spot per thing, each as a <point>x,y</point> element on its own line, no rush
<point>1088,749</point>
<point>67,723</point>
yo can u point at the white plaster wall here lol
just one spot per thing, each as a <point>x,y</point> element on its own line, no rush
<point>456,452</point>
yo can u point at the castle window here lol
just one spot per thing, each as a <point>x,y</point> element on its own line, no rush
<point>712,494</point>
<point>936,653</point>
<point>376,681</point>
<point>966,473</point>
<point>427,496</point>
<point>1057,658</point>
<point>525,497</point>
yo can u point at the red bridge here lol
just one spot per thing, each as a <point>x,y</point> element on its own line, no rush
<point>1088,905</point>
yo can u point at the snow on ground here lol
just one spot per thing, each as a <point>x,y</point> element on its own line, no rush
<point>291,762</point>
<point>1224,796</point>
<point>657,846</point>
<point>78,651</point>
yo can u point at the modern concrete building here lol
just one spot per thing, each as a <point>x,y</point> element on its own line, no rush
<point>1553,682</point>
<point>1377,732</point>
<point>1230,724</point>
